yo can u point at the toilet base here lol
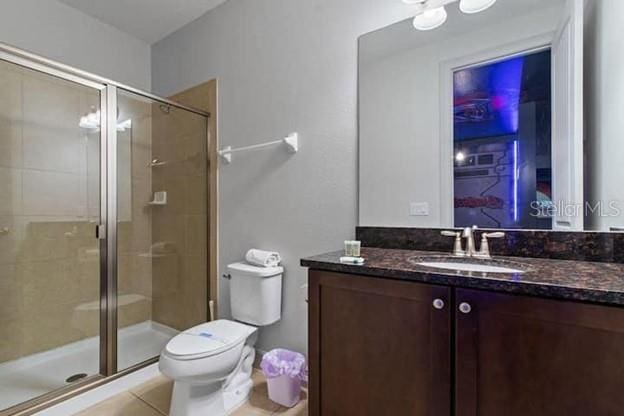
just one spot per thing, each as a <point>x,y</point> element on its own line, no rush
<point>197,400</point>
<point>202,400</point>
<point>218,398</point>
<point>237,387</point>
<point>232,400</point>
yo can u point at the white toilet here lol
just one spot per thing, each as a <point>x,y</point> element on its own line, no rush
<point>211,363</point>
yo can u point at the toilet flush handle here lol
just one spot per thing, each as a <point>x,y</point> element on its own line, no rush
<point>227,276</point>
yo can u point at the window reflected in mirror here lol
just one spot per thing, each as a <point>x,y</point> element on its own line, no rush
<point>502,143</point>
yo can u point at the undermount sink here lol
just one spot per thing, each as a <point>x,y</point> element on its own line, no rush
<point>469,264</point>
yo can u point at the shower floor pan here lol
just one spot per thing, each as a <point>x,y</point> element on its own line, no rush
<point>32,376</point>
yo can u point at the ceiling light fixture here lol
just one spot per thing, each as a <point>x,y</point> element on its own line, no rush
<point>434,14</point>
<point>475,6</point>
<point>430,19</point>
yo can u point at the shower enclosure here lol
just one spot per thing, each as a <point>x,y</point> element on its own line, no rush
<point>103,228</point>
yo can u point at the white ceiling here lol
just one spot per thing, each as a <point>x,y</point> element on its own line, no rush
<point>149,20</point>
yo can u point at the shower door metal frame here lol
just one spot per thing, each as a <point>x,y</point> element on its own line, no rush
<point>105,231</point>
<point>108,222</point>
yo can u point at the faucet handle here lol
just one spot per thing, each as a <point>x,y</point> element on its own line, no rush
<point>484,250</point>
<point>457,246</point>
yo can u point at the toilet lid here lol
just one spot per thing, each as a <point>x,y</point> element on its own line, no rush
<point>208,339</point>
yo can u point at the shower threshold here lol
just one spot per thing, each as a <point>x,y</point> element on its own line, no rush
<point>37,374</point>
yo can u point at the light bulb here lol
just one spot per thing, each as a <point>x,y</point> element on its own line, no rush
<point>475,6</point>
<point>430,19</point>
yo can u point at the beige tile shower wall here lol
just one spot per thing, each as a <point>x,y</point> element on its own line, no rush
<point>49,206</point>
<point>180,291</point>
<point>49,258</point>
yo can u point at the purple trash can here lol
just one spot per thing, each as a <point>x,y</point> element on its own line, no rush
<point>285,371</point>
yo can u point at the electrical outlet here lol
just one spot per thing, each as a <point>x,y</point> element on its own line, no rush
<point>419,209</point>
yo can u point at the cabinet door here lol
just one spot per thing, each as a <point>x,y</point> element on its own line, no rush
<point>378,347</point>
<point>523,356</point>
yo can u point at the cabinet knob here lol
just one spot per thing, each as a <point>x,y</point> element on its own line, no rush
<point>465,307</point>
<point>438,304</point>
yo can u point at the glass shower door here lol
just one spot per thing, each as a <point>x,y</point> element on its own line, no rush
<point>103,228</point>
<point>162,225</point>
<point>49,253</point>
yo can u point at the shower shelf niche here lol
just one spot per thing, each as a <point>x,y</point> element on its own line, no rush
<point>160,198</point>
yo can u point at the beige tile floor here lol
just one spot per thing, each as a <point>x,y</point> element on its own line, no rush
<point>153,397</point>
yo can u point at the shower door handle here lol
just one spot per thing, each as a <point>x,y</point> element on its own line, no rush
<point>100,232</point>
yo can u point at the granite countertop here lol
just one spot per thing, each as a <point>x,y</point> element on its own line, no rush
<point>559,279</point>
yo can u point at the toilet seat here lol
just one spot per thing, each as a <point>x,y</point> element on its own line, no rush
<point>208,339</point>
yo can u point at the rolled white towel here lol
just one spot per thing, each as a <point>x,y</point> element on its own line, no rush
<point>263,258</point>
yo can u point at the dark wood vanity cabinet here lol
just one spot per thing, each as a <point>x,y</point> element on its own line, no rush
<point>521,356</point>
<point>378,347</point>
<point>385,347</point>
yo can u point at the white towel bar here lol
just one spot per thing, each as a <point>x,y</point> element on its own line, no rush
<point>291,141</point>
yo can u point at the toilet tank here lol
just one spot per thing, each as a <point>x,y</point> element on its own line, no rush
<point>255,293</point>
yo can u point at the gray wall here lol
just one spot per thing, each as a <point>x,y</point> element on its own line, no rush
<point>282,65</point>
<point>56,31</point>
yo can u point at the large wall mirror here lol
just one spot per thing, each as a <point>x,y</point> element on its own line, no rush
<point>508,118</point>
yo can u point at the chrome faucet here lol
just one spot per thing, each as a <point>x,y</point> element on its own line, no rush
<point>471,250</point>
<point>468,234</point>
